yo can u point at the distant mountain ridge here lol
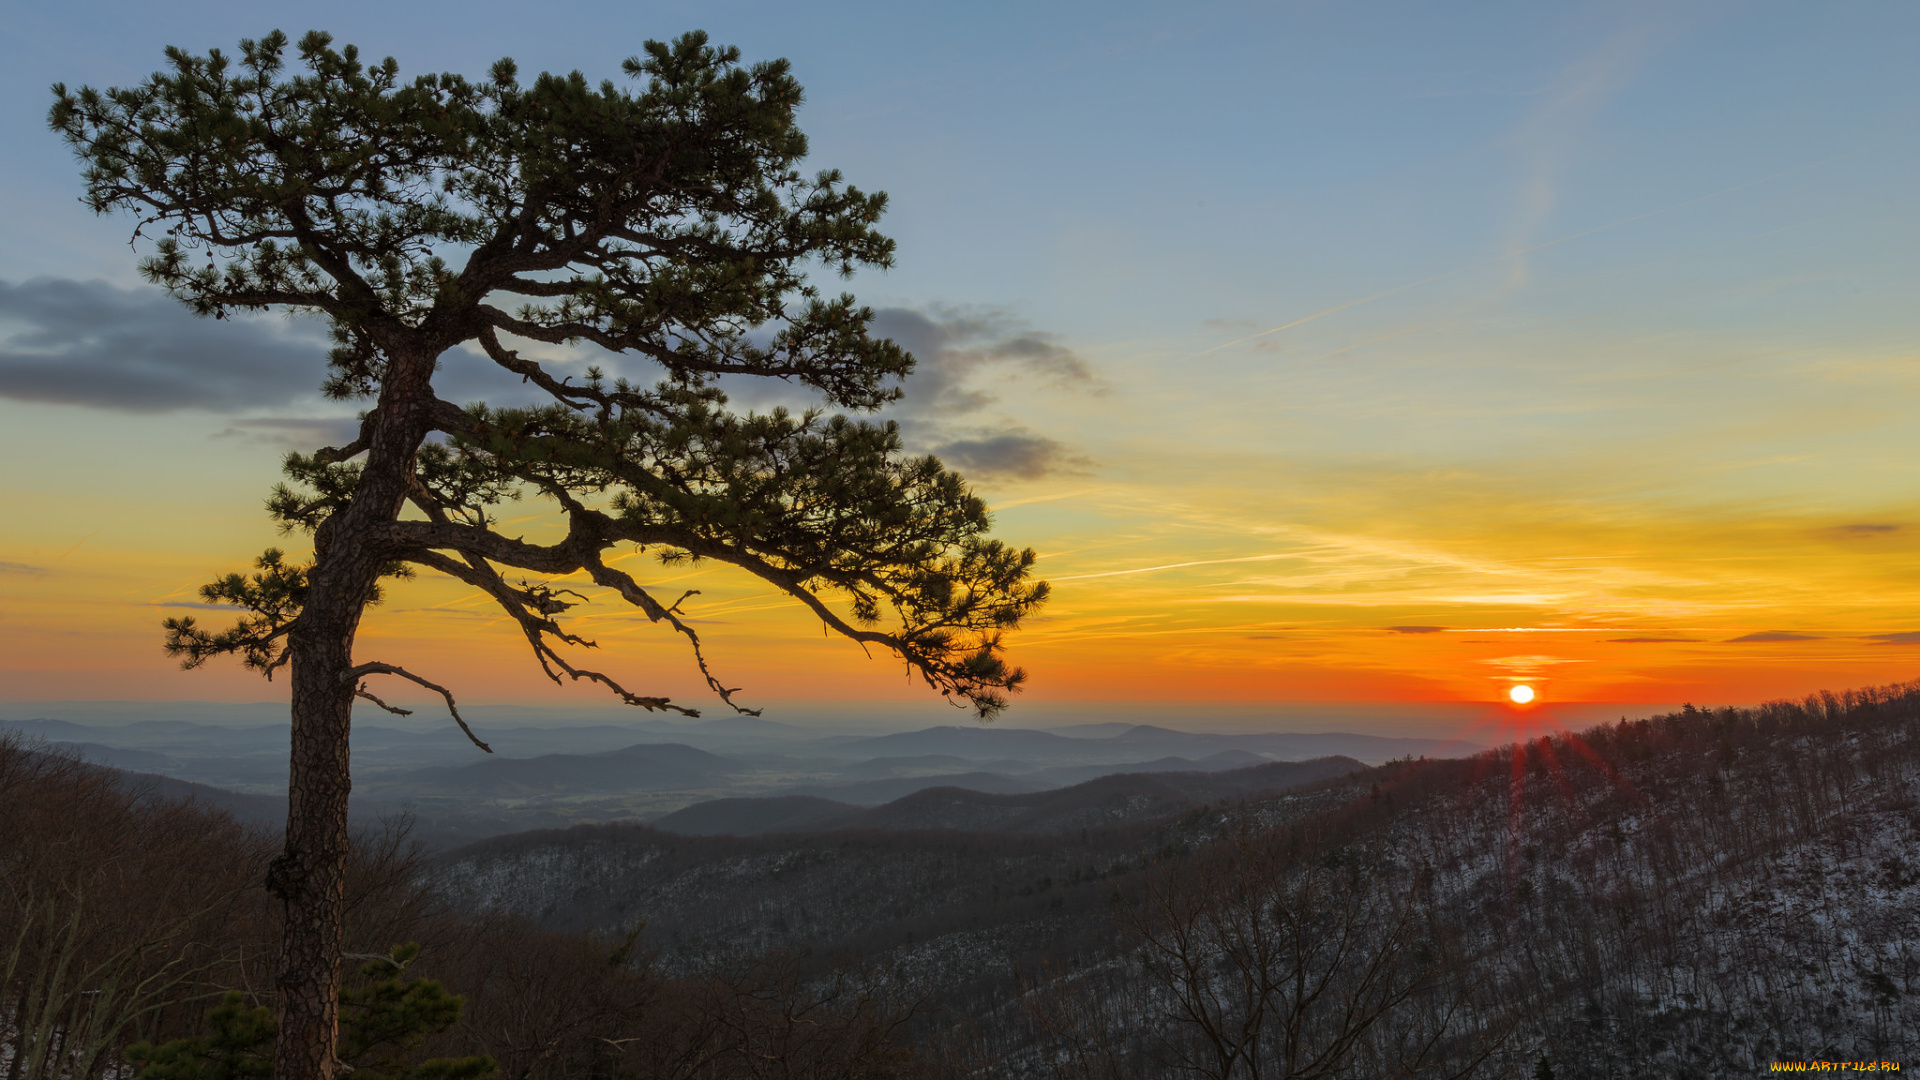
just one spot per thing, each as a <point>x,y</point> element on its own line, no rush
<point>543,777</point>
<point>1002,742</point>
<point>1105,800</point>
<point>266,811</point>
<point>642,766</point>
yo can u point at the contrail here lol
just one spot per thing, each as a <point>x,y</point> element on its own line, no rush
<point>76,546</point>
<point>1337,308</point>
<point>1176,566</point>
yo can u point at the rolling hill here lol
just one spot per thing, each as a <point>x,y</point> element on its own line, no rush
<point>1107,800</point>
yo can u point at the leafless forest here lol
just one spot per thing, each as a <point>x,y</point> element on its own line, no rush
<point>1702,892</point>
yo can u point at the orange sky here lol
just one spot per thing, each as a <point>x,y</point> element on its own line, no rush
<point>1155,600</point>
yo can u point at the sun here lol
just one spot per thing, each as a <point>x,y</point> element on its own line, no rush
<point>1521,694</point>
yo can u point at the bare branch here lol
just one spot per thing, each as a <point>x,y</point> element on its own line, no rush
<point>361,691</point>
<point>530,608</point>
<point>634,594</point>
<point>358,672</point>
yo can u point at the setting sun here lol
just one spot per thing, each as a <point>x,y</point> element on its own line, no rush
<point>1521,694</point>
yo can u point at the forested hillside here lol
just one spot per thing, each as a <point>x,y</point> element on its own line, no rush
<point>1708,890</point>
<point>1699,893</point>
<point>125,916</point>
<point>1704,893</point>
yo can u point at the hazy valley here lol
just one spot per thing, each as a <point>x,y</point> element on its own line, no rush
<point>553,775</point>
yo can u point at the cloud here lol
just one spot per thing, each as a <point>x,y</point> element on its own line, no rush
<point>1774,635</point>
<point>138,350</point>
<point>21,568</point>
<point>1869,530</point>
<point>290,433</point>
<point>953,348</point>
<point>964,359</point>
<point>1011,454</point>
<point>1651,640</point>
<point>1416,629</point>
<point>1529,663</point>
<point>1905,637</point>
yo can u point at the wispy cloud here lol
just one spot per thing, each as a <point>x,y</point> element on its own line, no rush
<point>1018,454</point>
<point>1773,635</point>
<point>1550,136</point>
<point>1050,497</point>
<point>1527,664</point>
<point>22,568</point>
<point>1175,566</point>
<point>290,433</point>
<point>1514,255</point>
<point>1397,597</point>
<point>964,358</point>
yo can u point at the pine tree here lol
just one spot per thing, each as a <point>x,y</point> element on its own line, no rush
<point>668,224</point>
<point>384,1020</point>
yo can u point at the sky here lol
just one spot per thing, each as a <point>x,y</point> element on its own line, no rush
<point>1362,352</point>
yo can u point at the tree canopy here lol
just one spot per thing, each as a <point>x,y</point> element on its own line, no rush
<point>669,224</point>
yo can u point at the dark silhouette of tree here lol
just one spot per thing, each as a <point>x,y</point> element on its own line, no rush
<point>669,224</point>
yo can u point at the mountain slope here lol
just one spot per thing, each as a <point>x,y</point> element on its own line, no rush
<point>751,817</point>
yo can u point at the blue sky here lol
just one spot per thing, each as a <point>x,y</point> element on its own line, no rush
<point>1168,161</point>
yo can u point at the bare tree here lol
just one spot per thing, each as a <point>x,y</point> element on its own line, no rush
<point>116,916</point>
<point>1276,958</point>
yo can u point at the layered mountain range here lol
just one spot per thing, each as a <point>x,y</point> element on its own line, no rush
<point>739,774</point>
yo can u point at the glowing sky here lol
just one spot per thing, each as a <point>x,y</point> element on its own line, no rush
<point>1358,352</point>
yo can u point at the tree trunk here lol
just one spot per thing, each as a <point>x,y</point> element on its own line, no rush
<point>310,874</point>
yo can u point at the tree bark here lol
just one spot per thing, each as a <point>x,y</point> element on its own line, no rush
<point>310,874</point>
